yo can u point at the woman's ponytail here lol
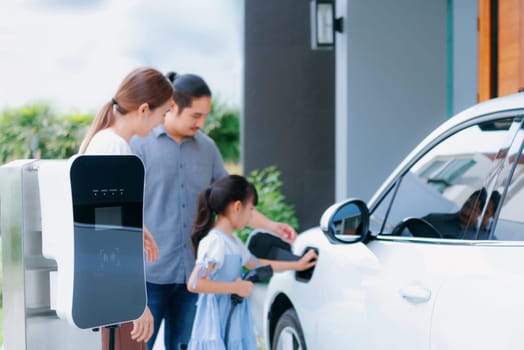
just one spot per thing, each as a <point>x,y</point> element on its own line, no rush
<point>142,85</point>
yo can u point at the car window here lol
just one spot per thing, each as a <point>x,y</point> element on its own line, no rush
<point>444,193</point>
<point>509,225</point>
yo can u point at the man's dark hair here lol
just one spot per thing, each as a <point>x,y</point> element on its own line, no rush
<point>479,196</point>
<point>187,87</point>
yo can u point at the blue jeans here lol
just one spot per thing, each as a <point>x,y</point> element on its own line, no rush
<point>174,304</point>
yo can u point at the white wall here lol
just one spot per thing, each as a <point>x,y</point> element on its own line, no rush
<point>465,54</point>
<point>391,86</point>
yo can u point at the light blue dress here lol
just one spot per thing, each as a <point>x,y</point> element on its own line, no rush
<point>209,327</point>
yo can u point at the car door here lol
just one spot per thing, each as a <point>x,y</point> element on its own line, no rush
<point>442,271</point>
<point>481,305</point>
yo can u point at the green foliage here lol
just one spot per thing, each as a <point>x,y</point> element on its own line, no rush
<point>271,200</point>
<point>223,126</point>
<point>35,131</point>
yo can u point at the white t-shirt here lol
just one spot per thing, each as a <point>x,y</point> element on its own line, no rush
<point>106,141</point>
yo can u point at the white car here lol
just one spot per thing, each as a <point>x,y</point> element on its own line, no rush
<point>426,264</point>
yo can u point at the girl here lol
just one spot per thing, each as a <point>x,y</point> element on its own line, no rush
<point>220,257</point>
<point>140,103</point>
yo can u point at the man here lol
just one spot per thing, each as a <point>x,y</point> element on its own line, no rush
<point>462,224</point>
<point>180,162</point>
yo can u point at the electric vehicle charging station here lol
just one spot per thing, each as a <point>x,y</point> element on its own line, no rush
<point>72,247</point>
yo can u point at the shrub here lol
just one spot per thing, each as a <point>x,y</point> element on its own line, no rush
<point>271,200</point>
<point>223,126</point>
<point>36,132</point>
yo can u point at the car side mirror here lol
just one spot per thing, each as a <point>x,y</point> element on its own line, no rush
<point>346,222</point>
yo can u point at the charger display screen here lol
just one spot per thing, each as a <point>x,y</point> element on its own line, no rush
<point>108,217</point>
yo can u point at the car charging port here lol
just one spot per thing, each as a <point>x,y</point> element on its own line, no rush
<point>305,276</point>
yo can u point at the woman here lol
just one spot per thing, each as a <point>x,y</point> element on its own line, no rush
<point>140,103</point>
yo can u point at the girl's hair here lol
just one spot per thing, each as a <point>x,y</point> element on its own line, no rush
<point>142,85</point>
<point>215,200</point>
<point>187,87</point>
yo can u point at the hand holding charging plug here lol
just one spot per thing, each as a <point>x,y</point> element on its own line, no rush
<point>307,261</point>
<point>258,274</point>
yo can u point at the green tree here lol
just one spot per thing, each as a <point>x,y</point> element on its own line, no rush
<point>223,126</point>
<point>271,200</point>
<point>35,131</point>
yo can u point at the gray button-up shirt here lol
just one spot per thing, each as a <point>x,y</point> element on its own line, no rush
<point>176,173</point>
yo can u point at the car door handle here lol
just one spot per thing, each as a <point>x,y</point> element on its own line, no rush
<point>415,294</point>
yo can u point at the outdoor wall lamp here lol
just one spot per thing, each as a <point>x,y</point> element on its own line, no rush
<point>324,24</point>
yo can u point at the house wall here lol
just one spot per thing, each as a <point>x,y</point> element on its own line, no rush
<point>288,116</point>
<point>391,86</point>
<point>337,122</point>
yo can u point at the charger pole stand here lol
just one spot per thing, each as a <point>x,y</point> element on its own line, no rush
<point>112,329</point>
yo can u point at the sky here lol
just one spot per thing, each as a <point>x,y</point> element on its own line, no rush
<point>73,54</point>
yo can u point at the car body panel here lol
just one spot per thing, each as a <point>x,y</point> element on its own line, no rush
<point>395,292</point>
<point>381,277</point>
<point>331,266</point>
